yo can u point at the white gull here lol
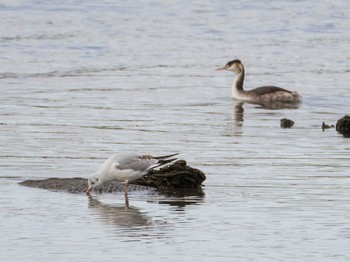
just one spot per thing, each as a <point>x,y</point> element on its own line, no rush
<point>126,167</point>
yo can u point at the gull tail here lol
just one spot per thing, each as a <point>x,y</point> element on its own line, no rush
<point>163,160</point>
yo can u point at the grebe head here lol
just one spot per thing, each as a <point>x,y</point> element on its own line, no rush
<point>235,66</point>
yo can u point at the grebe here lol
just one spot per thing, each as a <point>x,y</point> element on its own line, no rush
<point>125,168</point>
<point>264,95</point>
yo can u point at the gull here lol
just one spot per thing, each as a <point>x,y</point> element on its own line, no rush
<point>126,167</point>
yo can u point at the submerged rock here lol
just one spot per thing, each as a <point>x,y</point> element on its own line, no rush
<point>286,123</point>
<point>75,185</point>
<point>343,126</point>
<point>171,179</point>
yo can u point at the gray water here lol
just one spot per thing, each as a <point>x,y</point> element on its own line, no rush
<point>81,80</point>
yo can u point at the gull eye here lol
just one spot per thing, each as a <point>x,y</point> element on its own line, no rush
<point>96,179</point>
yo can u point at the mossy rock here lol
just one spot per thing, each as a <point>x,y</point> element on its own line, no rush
<point>170,178</point>
<point>286,123</point>
<point>343,126</point>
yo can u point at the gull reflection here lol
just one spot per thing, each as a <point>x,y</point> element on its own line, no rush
<point>119,215</point>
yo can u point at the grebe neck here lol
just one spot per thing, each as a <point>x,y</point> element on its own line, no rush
<point>237,87</point>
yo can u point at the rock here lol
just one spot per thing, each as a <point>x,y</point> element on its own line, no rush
<point>176,176</point>
<point>286,123</point>
<point>75,185</point>
<point>172,179</point>
<point>343,126</point>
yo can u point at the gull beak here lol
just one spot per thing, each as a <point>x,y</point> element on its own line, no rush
<point>89,190</point>
<point>221,68</point>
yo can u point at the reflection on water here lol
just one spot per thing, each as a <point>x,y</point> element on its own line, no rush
<point>186,192</point>
<point>180,202</point>
<point>238,112</point>
<point>119,215</point>
<point>183,197</point>
<point>238,109</point>
<point>279,105</point>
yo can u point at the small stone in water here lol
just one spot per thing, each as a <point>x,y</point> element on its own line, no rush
<point>286,123</point>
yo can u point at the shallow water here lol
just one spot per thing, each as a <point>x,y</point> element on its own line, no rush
<point>81,80</point>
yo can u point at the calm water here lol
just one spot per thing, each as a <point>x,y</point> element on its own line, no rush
<point>81,80</point>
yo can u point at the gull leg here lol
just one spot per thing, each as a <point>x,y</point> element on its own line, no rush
<point>126,187</point>
<point>126,202</point>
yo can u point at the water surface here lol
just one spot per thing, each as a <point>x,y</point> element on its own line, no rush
<point>82,80</point>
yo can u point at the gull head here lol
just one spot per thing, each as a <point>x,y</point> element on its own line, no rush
<point>93,181</point>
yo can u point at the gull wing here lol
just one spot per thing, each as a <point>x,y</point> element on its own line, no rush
<point>143,162</point>
<point>137,163</point>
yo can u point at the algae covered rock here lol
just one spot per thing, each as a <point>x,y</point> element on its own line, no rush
<point>75,185</point>
<point>343,126</point>
<point>178,175</point>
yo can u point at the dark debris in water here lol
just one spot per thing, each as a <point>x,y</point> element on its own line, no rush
<point>325,126</point>
<point>286,123</point>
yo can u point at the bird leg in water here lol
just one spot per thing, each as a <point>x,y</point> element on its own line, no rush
<point>126,202</point>
<point>126,187</point>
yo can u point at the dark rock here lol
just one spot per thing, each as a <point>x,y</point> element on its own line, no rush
<point>343,126</point>
<point>176,176</point>
<point>286,123</point>
<point>172,179</point>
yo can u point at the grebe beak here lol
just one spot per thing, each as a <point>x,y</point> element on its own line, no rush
<point>221,68</point>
